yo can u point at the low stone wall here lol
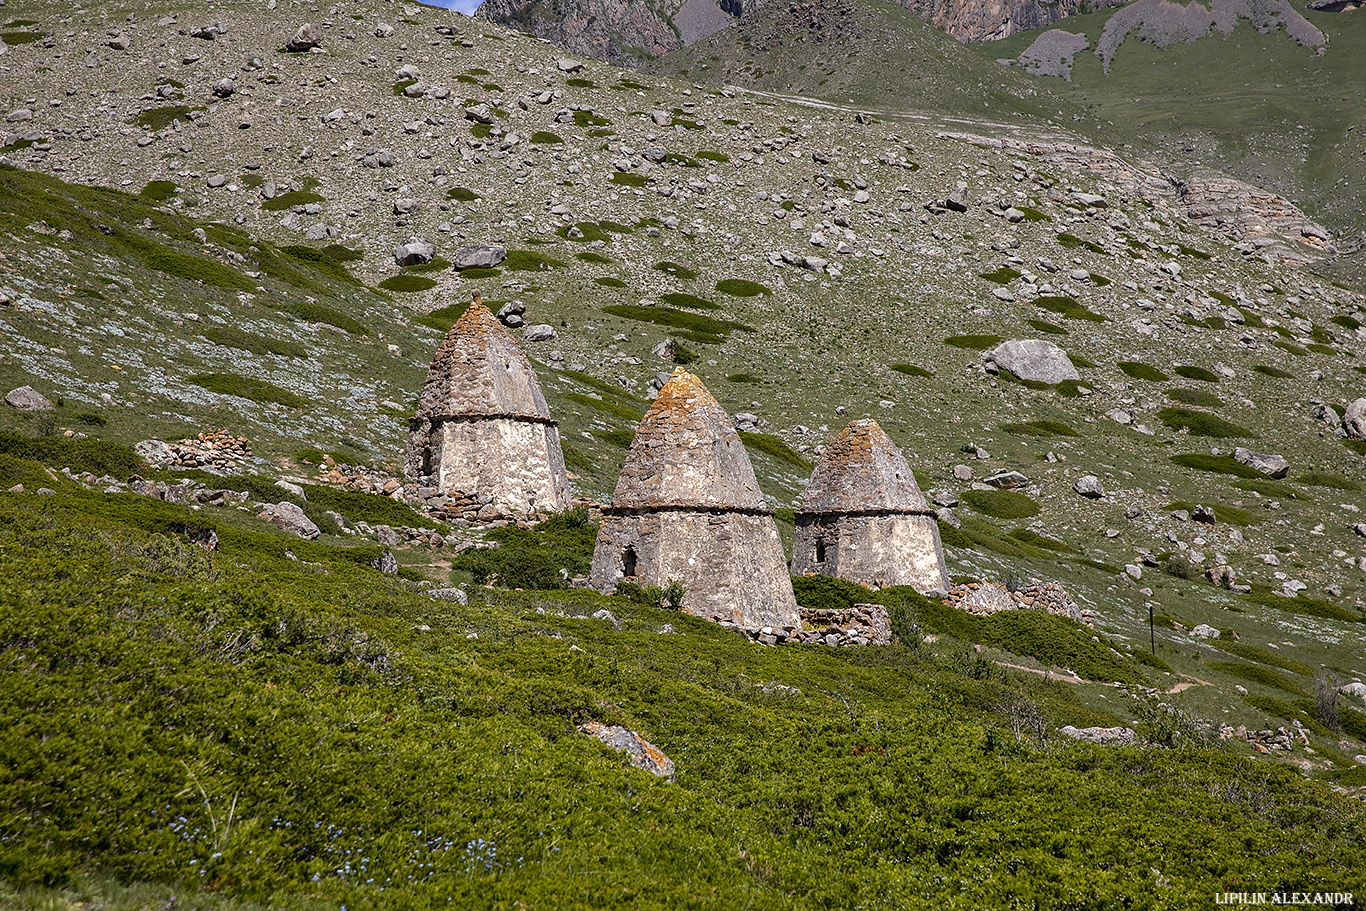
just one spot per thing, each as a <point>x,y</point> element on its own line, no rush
<point>861,624</point>
<point>982,599</point>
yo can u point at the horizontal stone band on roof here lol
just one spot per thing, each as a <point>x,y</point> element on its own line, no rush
<point>647,508</point>
<point>437,420</point>
<point>870,512</point>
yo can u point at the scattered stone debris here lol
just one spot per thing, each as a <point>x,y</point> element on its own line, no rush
<point>217,451</point>
<point>860,624</point>
<point>984,598</point>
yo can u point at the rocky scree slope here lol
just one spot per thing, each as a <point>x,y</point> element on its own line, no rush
<point>811,263</point>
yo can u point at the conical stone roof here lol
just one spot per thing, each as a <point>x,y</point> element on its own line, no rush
<point>480,370</point>
<point>863,470</point>
<point>687,454</point>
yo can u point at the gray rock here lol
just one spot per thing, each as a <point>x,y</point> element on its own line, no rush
<point>224,87</point>
<point>1089,486</point>
<point>449,594</point>
<point>1118,737</point>
<point>642,753</point>
<point>480,113</point>
<point>540,333</point>
<point>119,42</point>
<point>414,252</point>
<point>19,116</point>
<point>566,65</point>
<point>1354,420</point>
<point>478,257</point>
<point>1355,688</point>
<point>26,398</point>
<point>1273,466</point>
<point>661,118</point>
<point>387,536</point>
<point>305,39</point>
<point>1032,359</point>
<point>1007,480</point>
<point>945,515</point>
<point>288,517</point>
<point>217,180</point>
<point>406,206</point>
<point>291,488</point>
<point>958,200</point>
<point>154,452</point>
<point>1204,515</point>
<point>383,30</point>
<point>386,563</point>
<point>1325,414</point>
<point>1205,631</point>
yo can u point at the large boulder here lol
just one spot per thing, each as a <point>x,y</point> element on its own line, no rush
<point>26,398</point>
<point>288,517</point>
<point>1032,359</point>
<point>1273,466</point>
<point>305,39</point>
<point>414,252</point>
<point>478,257</point>
<point>155,452</point>
<point>1354,420</point>
<point>641,753</point>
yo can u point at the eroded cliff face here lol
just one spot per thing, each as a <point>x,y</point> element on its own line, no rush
<point>623,31</point>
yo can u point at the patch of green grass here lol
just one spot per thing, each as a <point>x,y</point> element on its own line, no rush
<point>1072,242</point>
<point>462,194</point>
<point>1228,515</point>
<point>311,312</point>
<point>1273,489</point>
<point>248,388</point>
<point>627,179</point>
<point>1068,308</point>
<point>1034,214</point>
<point>620,436</point>
<point>403,84</point>
<point>1032,537</point>
<point>478,272</point>
<point>530,261</point>
<point>1047,327</point>
<point>159,190</point>
<point>589,119</point>
<point>1002,276</point>
<point>739,287</point>
<point>443,319</point>
<point>609,404</point>
<point>158,119</point>
<point>700,328</point>
<point>545,137</point>
<point>718,157</point>
<point>1292,348</point>
<point>974,342</point>
<point>1263,676</point>
<point>438,264</point>
<point>742,378</point>
<point>677,270</point>
<point>1041,429</point>
<point>1276,372</point>
<point>1196,397</point>
<point>1346,322</point>
<point>292,198</point>
<point>579,82</point>
<point>1141,371</point>
<point>1203,461</point>
<point>774,446</point>
<point>1201,424</point>
<point>1002,504</point>
<point>99,457</point>
<point>539,558</point>
<point>329,260</point>
<point>196,269</point>
<point>692,301</point>
<point>912,370</point>
<point>407,284</point>
<point>1323,479</point>
<point>232,337</point>
<point>1262,656</point>
<point>589,256</point>
<point>608,281</point>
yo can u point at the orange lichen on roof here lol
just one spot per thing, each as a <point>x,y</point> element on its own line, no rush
<point>479,369</point>
<point>686,453</point>
<point>862,470</point>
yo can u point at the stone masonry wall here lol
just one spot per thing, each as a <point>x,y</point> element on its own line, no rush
<point>517,464</point>
<point>875,550</point>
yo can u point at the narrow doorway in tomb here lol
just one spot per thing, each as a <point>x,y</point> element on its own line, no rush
<point>628,563</point>
<point>820,551</point>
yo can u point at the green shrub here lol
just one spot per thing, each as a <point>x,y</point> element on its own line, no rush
<point>589,256</point>
<point>311,312</point>
<point>248,388</point>
<point>677,270</point>
<point>1001,504</point>
<point>155,119</point>
<point>543,557</point>
<point>627,179</point>
<point>1045,326</point>
<point>408,283</point>
<point>328,260</point>
<point>292,198</point>
<point>1072,242</point>
<point>1203,461</point>
<point>718,157</point>
<point>232,337</point>
<point>774,446</point>
<point>974,342</point>
<point>627,411</point>
<point>1230,515</point>
<point>1068,308</point>
<point>1041,429</point>
<point>621,436</point>
<point>1141,371</point>
<point>608,281</point>
<point>1002,276</point>
<point>1263,676</point>
<point>1028,536</point>
<point>196,268</point>
<point>818,592</point>
<point>1293,348</point>
<point>579,82</point>
<point>742,378</point>
<point>462,194</point>
<point>530,261</point>
<point>1196,373</point>
<point>700,327</point>
<point>1313,607</point>
<point>99,457</point>
<point>589,119</point>
<point>359,506</point>
<point>1271,489</point>
<point>739,287</point>
<point>692,301</point>
<point>1263,656</point>
<point>1323,479</point>
<point>159,190</point>
<point>1197,397</point>
<point>912,370</point>
<point>1201,424</point>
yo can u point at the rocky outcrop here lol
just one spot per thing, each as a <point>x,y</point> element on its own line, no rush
<point>1163,23</point>
<point>1033,360</point>
<point>617,32</point>
<point>641,753</point>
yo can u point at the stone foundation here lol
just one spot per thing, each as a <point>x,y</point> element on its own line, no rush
<point>861,624</point>
<point>515,463</point>
<point>730,562</point>
<point>877,550</point>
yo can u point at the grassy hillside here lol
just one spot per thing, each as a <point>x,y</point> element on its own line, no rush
<point>296,726</point>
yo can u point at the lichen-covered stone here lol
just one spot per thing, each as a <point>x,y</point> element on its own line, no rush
<point>482,425</point>
<point>687,508</point>
<point>863,517</point>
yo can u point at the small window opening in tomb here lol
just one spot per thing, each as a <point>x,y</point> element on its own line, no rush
<point>427,458</point>
<point>820,551</point>
<point>628,563</point>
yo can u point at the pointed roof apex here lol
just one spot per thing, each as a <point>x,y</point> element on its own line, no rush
<point>686,454</point>
<point>479,369</point>
<point>862,470</point>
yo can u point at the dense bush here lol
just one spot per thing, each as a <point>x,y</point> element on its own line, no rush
<point>232,337</point>
<point>99,457</point>
<point>248,388</point>
<point>546,556</point>
<point>1141,371</point>
<point>1002,504</point>
<point>1201,424</point>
